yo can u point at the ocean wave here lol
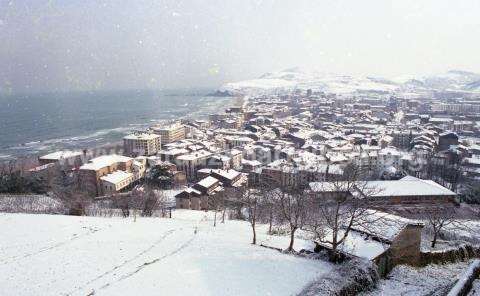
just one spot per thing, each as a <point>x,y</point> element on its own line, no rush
<point>73,142</point>
<point>111,135</point>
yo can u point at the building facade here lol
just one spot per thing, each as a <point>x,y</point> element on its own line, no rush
<point>90,174</point>
<point>141,144</point>
<point>170,133</point>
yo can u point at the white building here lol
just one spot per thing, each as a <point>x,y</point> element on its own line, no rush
<point>116,181</point>
<point>191,163</point>
<point>141,144</point>
<point>169,133</point>
<point>67,157</point>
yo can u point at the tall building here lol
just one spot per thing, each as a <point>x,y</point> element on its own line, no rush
<point>447,139</point>
<point>169,133</point>
<point>191,163</point>
<point>141,144</point>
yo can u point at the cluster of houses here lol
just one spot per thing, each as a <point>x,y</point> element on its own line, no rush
<point>295,139</point>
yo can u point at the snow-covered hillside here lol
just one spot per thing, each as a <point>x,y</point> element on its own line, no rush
<point>451,80</point>
<point>295,78</point>
<point>186,255</point>
<point>291,79</point>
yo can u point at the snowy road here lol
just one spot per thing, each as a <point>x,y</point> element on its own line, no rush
<point>61,255</point>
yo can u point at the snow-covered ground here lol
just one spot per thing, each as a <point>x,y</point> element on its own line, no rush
<point>356,244</point>
<point>430,280</point>
<point>186,255</point>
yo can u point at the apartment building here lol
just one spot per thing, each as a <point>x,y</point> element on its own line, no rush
<point>192,162</point>
<point>141,144</point>
<point>403,138</point>
<point>90,174</point>
<point>233,141</point>
<point>458,108</point>
<point>170,133</point>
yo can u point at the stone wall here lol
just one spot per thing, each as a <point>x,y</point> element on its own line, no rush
<point>405,249</point>
<point>349,278</point>
<point>390,258</point>
<point>462,253</point>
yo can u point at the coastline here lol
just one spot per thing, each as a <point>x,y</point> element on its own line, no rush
<point>107,139</point>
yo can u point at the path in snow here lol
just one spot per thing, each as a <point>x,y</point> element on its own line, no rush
<point>124,263</point>
<point>47,248</point>
<point>62,255</point>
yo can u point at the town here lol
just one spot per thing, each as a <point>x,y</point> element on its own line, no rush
<point>382,177</point>
<point>240,148</point>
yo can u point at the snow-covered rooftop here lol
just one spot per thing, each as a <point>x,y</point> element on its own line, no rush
<point>207,182</point>
<point>228,174</point>
<point>104,161</point>
<point>142,136</point>
<point>117,177</point>
<point>403,187</point>
<point>196,155</point>
<point>408,188</point>
<point>61,155</point>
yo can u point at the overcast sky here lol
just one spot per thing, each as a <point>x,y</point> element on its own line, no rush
<point>82,45</point>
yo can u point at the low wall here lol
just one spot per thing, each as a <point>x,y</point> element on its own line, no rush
<point>386,261</point>
<point>347,279</point>
<point>462,253</point>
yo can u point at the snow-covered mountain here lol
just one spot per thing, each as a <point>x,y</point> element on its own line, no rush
<point>473,86</point>
<point>290,79</point>
<point>451,80</point>
<point>295,78</point>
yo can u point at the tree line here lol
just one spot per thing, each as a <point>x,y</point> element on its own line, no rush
<point>329,213</point>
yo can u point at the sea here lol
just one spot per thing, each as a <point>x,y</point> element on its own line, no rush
<point>42,123</point>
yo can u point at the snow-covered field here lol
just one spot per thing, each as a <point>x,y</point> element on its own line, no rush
<point>186,255</point>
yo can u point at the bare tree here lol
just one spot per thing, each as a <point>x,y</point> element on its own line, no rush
<point>233,196</point>
<point>249,199</point>
<point>338,206</point>
<point>15,178</point>
<point>162,202</point>
<point>123,203</point>
<point>438,218</point>
<point>268,204</point>
<point>148,201</point>
<point>216,203</point>
<point>471,194</point>
<point>75,201</point>
<point>293,206</point>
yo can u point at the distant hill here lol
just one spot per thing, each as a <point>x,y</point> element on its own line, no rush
<point>296,78</point>
<point>219,93</point>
